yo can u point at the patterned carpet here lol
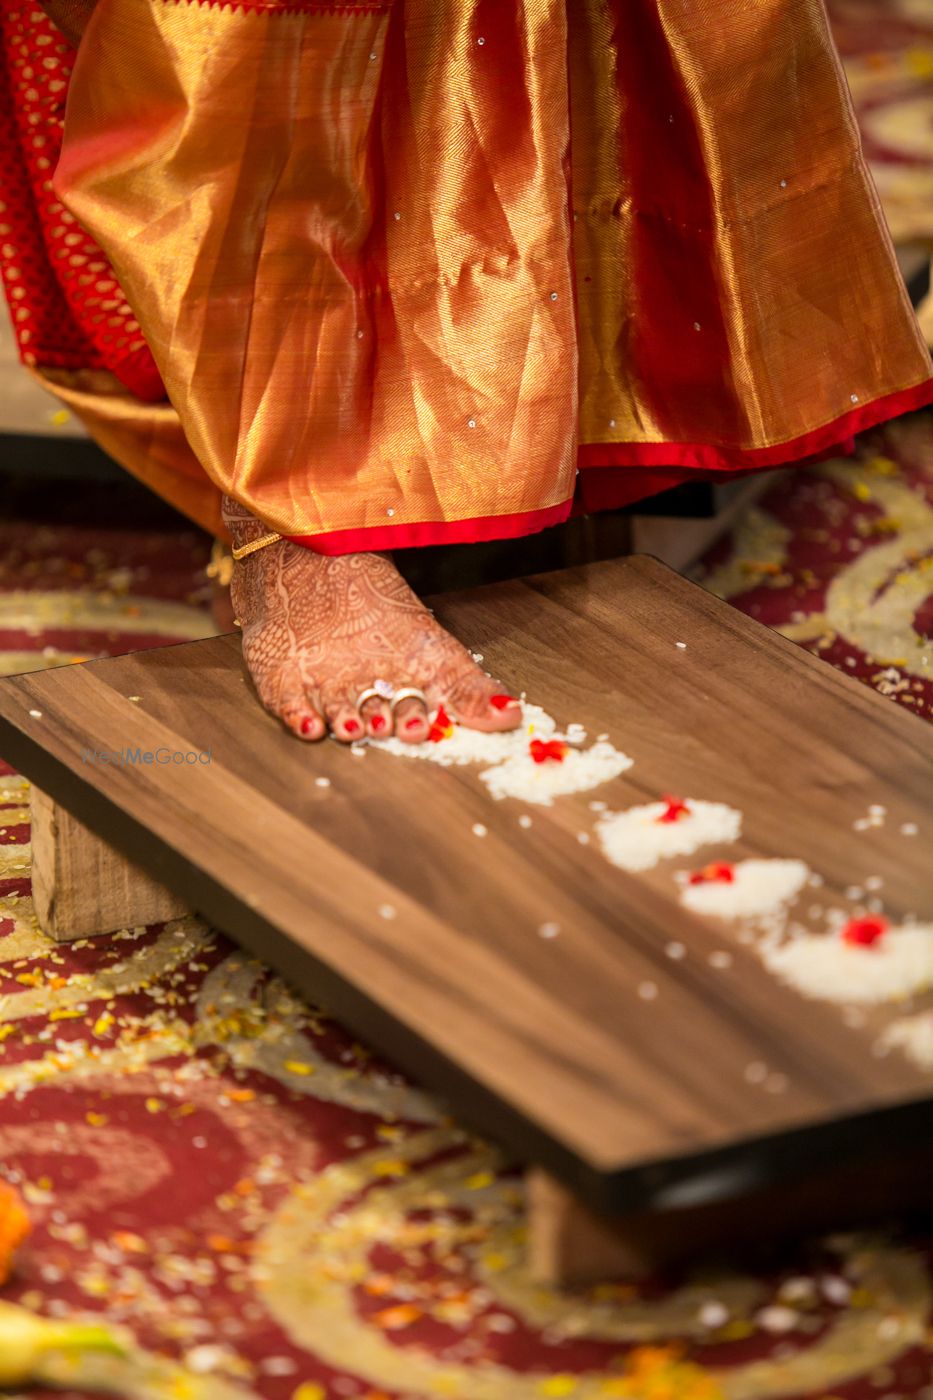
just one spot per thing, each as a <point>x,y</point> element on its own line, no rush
<point>271,1212</point>
<point>840,559</point>
<point>887,47</point>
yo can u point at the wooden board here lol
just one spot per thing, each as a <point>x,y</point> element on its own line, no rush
<point>545,1043</point>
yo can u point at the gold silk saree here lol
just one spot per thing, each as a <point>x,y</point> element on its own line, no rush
<point>447,270</point>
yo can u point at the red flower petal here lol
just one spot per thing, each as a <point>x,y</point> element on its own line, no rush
<point>676,808</point>
<point>543,749</point>
<point>442,728</point>
<point>866,931</point>
<point>720,873</point>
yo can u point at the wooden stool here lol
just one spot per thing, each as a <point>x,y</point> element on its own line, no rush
<point>619,1074</point>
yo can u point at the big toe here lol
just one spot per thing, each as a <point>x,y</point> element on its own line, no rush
<point>477,702</point>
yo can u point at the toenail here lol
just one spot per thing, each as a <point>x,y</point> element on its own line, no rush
<point>307,724</point>
<point>351,726</point>
<point>415,722</point>
<point>502,702</point>
<point>378,721</point>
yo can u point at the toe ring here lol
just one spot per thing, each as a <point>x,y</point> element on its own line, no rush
<point>408,692</point>
<point>379,690</point>
<point>371,693</point>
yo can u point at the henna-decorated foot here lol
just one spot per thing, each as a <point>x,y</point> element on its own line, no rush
<point>318,631</point>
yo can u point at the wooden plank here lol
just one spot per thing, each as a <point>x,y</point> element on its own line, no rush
<point>544,1042</point>
<point>81,886</point>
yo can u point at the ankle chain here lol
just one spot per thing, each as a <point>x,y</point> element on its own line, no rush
<point>241,551</point>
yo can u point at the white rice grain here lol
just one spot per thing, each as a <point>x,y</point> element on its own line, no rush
<point>825,967</point>
<point>758,887</point>
<point>913,1035</point>
<point>470,746</point>
<point>636,840</point>
<point>539,783</point>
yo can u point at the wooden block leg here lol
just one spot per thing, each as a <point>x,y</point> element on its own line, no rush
<point>81,886</point>
<point>570,1244</point>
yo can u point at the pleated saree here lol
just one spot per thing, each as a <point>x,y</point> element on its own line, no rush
<point>446,270</point>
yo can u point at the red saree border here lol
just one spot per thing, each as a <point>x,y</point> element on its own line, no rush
<point>481,527</point>
<point>684,461</point>
<point>706,457</point>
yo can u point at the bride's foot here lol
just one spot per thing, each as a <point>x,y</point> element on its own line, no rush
<point>318,631</point>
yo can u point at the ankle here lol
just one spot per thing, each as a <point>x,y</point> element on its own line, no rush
<point>244,527</point>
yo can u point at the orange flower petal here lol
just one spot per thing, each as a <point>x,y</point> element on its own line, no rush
<point>394,1318</point>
